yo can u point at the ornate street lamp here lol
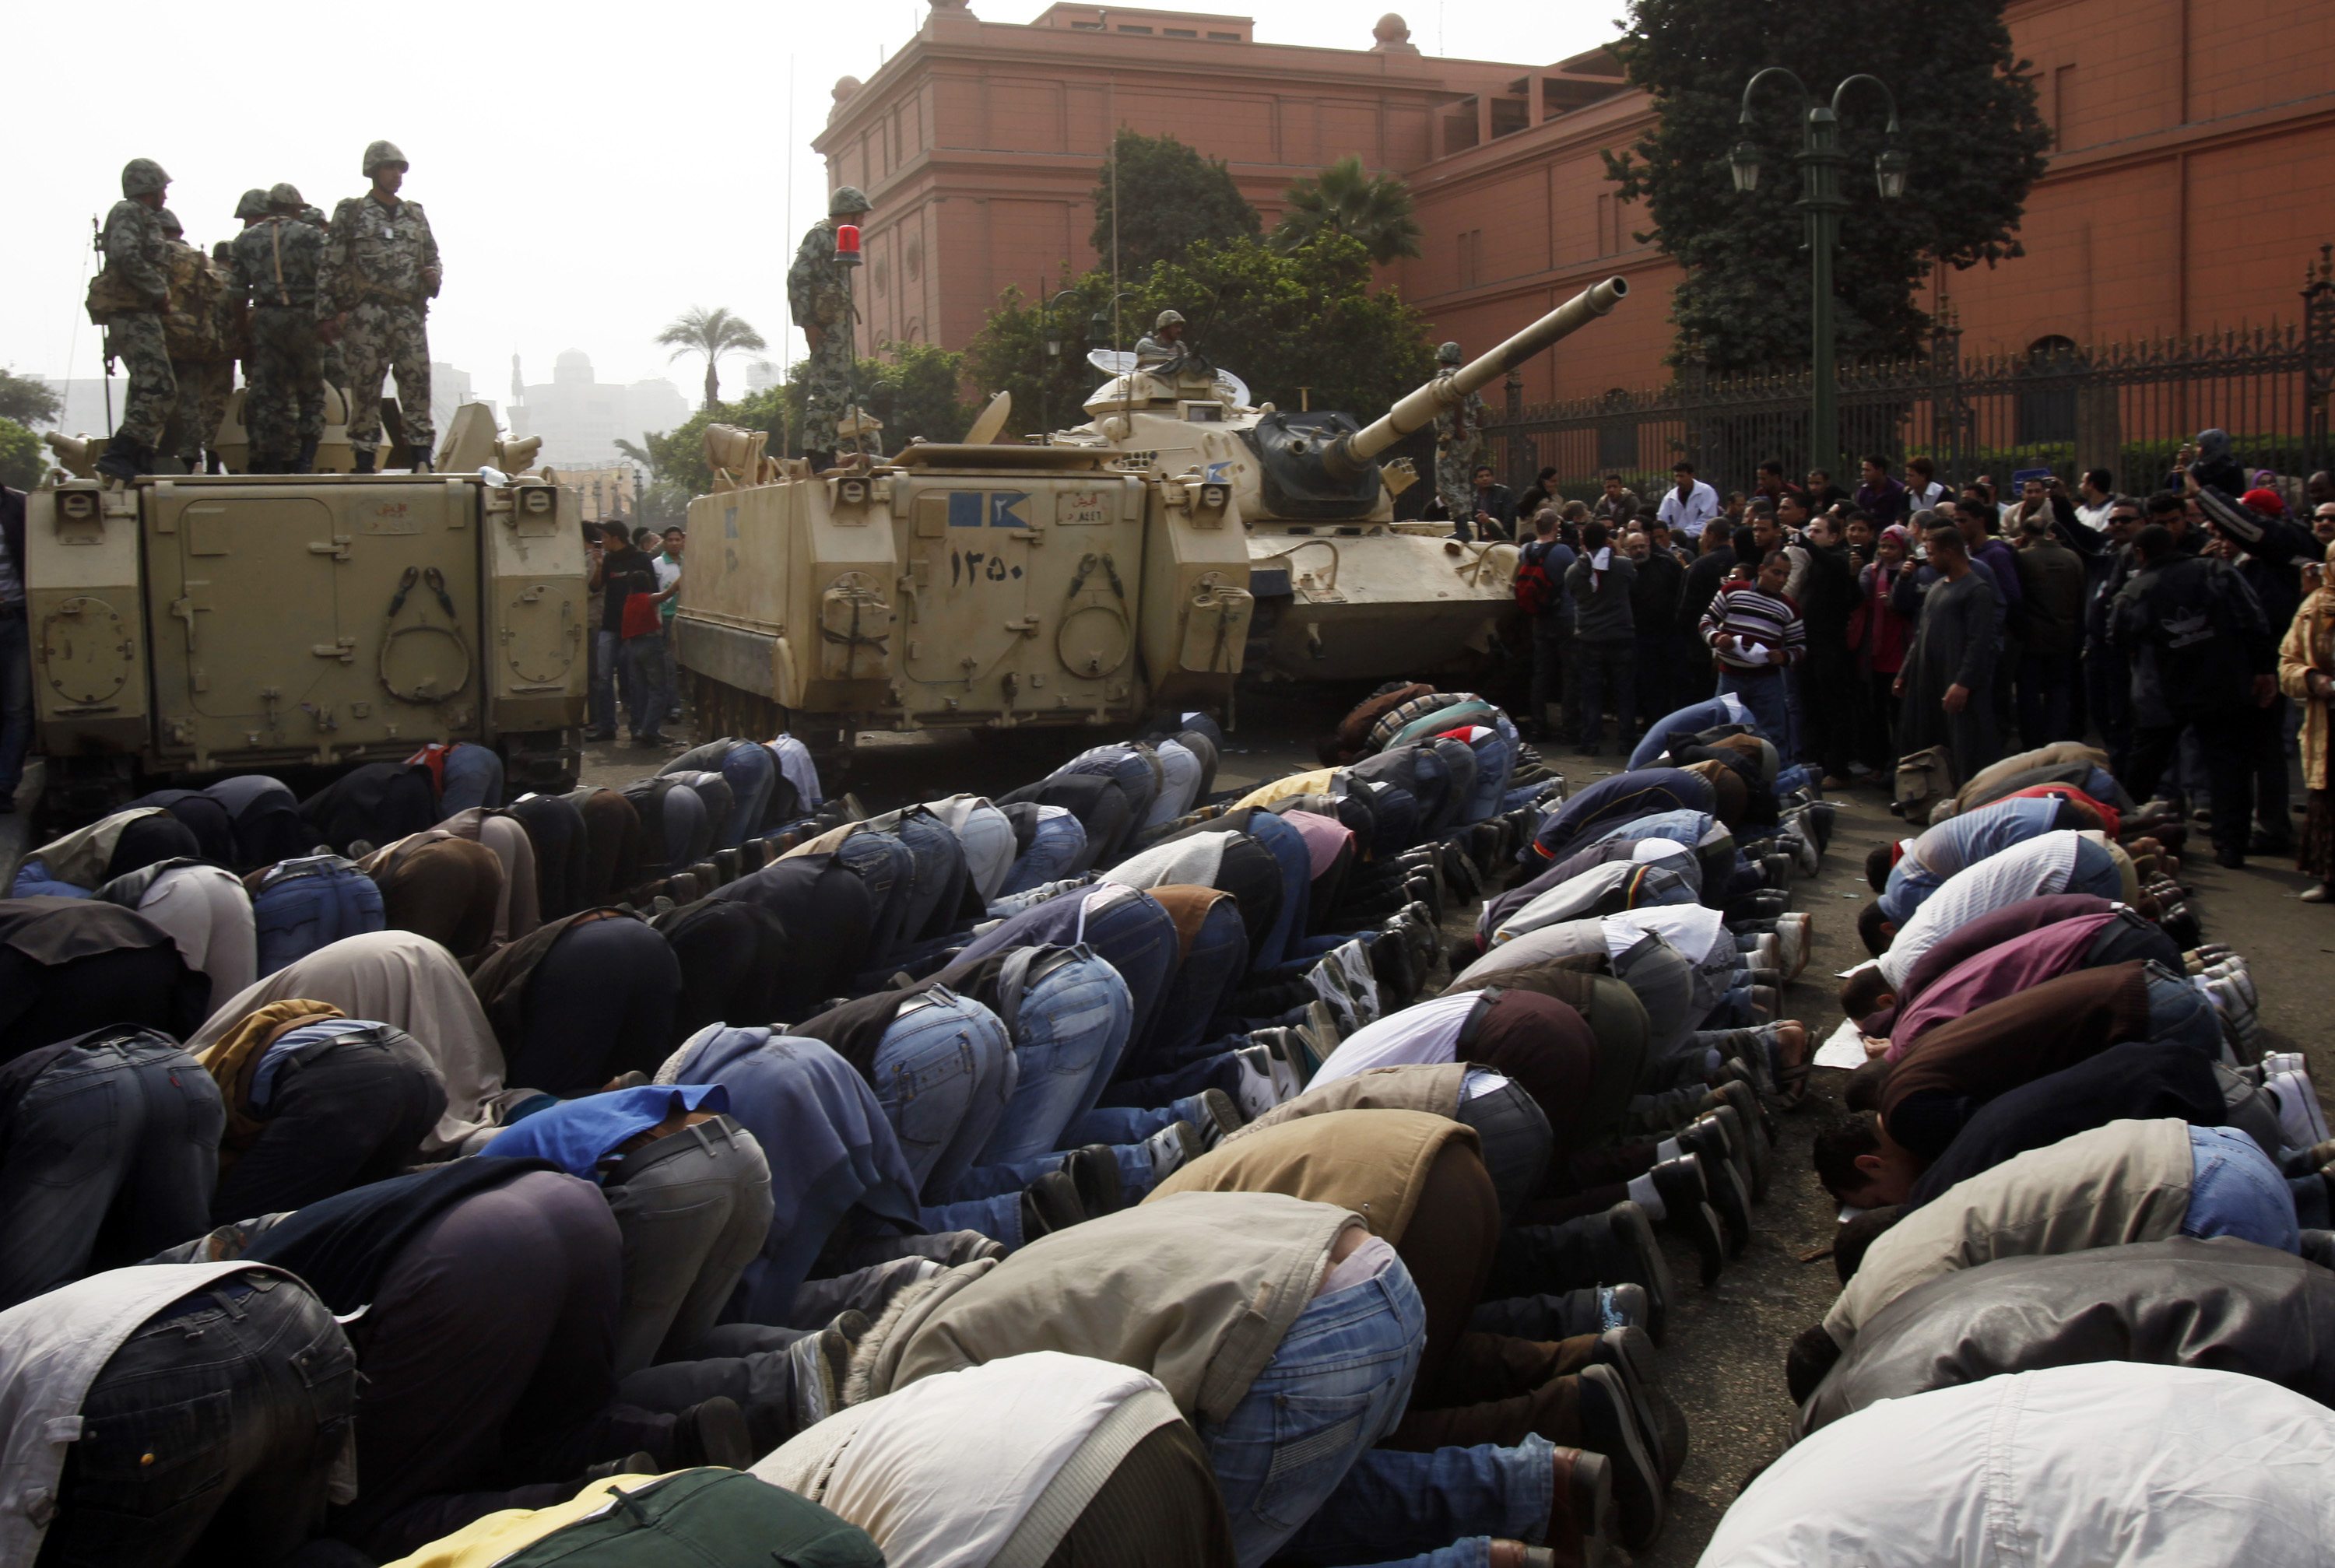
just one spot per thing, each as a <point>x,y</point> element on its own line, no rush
<point>1821,203</point>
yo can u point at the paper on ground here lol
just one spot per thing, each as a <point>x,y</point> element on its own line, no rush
<point>1843,1048</point>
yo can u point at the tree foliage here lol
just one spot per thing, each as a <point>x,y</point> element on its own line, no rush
<point>1346,198</point>
<point>1281,320</point>
<point>1175,198</point>
<point>24,458</point>
<point>1967,119</point>
<point>712,333</point>
<point>914,392</point>
<point>27,400</point>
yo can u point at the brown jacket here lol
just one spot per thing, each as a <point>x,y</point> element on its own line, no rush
<point>2310,645</point>
<point>1371,1163</point>
<point>1433,1088</point>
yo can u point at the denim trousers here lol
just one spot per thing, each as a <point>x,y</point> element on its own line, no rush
<point>111,1157</point>
<point>2177,1011</point>
<point>1393,1503</point>
<point>944,1075</point>
<point>1137,938</point>
<point>351,1112</point>
<point>753,775</point>
<point>15,699</point>
<point>325,899</point>
<point>1201,987</point>
<point>1295,864</point>
<point>607,649</point>
<point>692,1207</point>
<point>474,777</point>
<point>1769,698</point>
<point>211,1433</point>
<point>1055,845</point>
<point>1070,1029</point>
<point>937,883</point>
<point>645,695</point>
<point>1338,1383</point>
<point>1127,1123</point>
<point>1496,761</point>
<point>2234,1190</point>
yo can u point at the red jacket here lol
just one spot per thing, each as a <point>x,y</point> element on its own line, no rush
<point>1877,632</point>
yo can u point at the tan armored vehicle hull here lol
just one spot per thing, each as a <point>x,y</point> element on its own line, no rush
<point>960,587</point>
<point>206,623</point>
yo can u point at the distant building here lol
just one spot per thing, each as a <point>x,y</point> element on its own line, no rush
<point>607,494</point>
<point>763,374</point>
<point>581,419</point>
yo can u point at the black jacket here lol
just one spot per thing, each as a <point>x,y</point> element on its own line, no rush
<point>12,524</point>
<point>2196,637</point>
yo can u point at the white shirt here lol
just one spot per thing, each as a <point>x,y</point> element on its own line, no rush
<point>2101,1465</point>
<point>1691,928</point>
<point>1686,517</point>
<point>1427,1033</point>
<point>2040,865</point>
<point>2095,517</point>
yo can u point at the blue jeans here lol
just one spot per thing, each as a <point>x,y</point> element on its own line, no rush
<point>1392,1502</point>
<point>936,885</point>
<point>942,1075</point>
<point>2178,1011</point>
<point>1295,863</point>
<point>294,916</point>
<point>1127,1123</point>
<point>1692,718</point>
<point>606,650</point>
<point>1202,986</point>
<point>1769,698</point>
<point>1069,1032</point>
<point>474,777</point>
<point>1495,761</point>
<point>1337,1384</point>
<point>16,698</point>
<point>1136,937</point>
<point>2235,1191</point>
<point>646,693</point>
<point>1055,845</point>
<point>1221,1071</point>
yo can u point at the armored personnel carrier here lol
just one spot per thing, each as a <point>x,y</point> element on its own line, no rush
<point>973,585</point>
<point>1344,591</point>
<point>205,624</point>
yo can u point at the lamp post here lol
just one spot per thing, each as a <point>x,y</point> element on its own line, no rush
<point>1049,327</point>
<point>1821,203</point>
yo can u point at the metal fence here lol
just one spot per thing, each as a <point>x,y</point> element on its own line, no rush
<point>2125,406</point>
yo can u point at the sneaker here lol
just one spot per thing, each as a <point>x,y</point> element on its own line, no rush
<point>2301,1120</point>
<point>1224,1117</point>
<point>1333,991</point>
<point>1795,932</point>
<point>2284,1061</point>
<point>1320,1036</point>
<point>2230,1003</point>
<point>1775,870</point>
<point>1362,981</point>
<point>1256,1093</point>
<point>1609,1426</point>
<point>1172,1147</point>
<point>2234,972</point>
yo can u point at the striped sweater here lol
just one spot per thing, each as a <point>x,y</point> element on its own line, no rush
<point>1770,620</point>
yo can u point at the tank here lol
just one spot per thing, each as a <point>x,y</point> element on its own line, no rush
<point>969,585</point>
<point>196,625</point>
<point>1344,591</point>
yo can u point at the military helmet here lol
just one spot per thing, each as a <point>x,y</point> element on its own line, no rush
<point>143,177</point>
<point>847,200</point>
<point>171,228</point>
<point>380,152</point>
<point>252,203</point>
<point>1168,318</point>
<point>1448,354</point>
<point>284,194</point>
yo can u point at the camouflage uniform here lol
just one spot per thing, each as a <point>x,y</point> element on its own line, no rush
<point>336,370</point>
<point>819,294</point>
<point>276,263</point>
<point>135,254</point>
<point>197,333</point>
<point>382,269</point>
<point>1458,449</point>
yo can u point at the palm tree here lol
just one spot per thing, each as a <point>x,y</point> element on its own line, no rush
<point>1344,198</point>
<point>712,333</point>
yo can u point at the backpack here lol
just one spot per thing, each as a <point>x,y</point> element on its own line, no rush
<point>1535,590</point>
<point>1923,780</point>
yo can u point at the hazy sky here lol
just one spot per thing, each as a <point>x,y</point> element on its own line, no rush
<point>589,171</point>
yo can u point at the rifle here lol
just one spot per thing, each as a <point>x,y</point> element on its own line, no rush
<point>105,340</point>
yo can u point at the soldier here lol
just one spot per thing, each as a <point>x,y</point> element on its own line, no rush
<point>1459,438</point>
<point>127,299</point>
<point>277,259</point>
<point>380,272</point>
<point>203,360</point>
<point>818,292</point>
<point>336,373</point>
<point>1165,342</point>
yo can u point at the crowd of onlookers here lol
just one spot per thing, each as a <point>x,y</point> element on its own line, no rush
<point>1903,622</point>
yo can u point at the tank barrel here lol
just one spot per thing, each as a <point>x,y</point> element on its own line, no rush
<point>1418,407</point>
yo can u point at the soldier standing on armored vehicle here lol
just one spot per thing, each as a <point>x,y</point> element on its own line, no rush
<point>1458,439</point>
<point>276,262</point>
<point>197,332</point>
<point>127,299</point>
<point>819,294</point>
<point>380,272</point>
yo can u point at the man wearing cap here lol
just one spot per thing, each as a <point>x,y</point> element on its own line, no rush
<point>277,259</point>
<point>1458,440</point>
<point>200,335</point>
<point>379,272</point>
<point>818,293</point>
<point>127,299</point>
<point>1164,343</point>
